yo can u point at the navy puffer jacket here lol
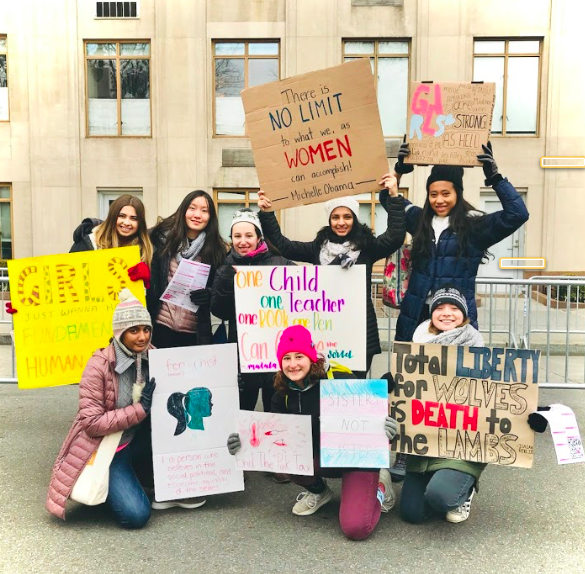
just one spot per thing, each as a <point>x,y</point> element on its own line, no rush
<point>445,266</point>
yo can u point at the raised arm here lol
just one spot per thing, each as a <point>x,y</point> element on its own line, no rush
<point>393,238</point>
<point>295,250</point>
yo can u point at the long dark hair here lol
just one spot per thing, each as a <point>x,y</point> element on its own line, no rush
<point>170,235</point>
<point>361,236</point>
<point>460,222</point>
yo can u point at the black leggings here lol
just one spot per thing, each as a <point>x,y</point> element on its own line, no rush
<point>250,386</point>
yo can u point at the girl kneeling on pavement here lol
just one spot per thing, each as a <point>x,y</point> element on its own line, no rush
<point>364,493</point>
<point>113,397</point>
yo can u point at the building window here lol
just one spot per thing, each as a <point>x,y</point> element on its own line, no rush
<point>389,61</point>
<point>514,65</point>
<point>116,9</point>
<point>118,88</point>
<point>238,65</point>
<point>107,196</point>
<point>3,80</point>
<point>6,251</point>
<point>372,213</point>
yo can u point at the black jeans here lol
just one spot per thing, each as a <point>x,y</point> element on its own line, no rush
<point>426,492</point>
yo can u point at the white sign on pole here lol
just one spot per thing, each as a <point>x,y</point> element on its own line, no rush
<point>328,300</point>
<point>193,409</point>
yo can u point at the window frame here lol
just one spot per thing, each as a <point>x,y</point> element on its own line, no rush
<point>375,55</point>
<point>246,57</point>
<point>106,193</point>
<point>9,201</point>
<point>506,55</point>
<point>96,17</point>
<point>117,57</point>
<point>246,200</point>
<point>5,37</point>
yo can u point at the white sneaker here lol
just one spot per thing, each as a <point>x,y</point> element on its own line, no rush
<point>389,498</point>
<point>461,513</point>
<point>309,502</point>
<point>183,503</point>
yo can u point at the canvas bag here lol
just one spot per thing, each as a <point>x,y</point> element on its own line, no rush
<point>91,488</point>
<point>396,277</point>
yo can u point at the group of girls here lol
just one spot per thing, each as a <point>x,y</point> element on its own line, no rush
<point>450,238</point>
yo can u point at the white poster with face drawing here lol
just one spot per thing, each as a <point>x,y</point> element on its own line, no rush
<point>193,409</point>
<point>326,299</point>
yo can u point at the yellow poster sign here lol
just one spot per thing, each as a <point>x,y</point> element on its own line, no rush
<point>65,305</point>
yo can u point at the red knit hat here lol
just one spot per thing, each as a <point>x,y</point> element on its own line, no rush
<point>296,339</point>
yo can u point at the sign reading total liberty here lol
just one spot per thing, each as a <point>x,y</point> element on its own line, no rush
<point>328,300</point>
<point>317,136</point>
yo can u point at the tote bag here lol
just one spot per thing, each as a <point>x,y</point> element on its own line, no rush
<point>396,276</point>
<point>91,487</point>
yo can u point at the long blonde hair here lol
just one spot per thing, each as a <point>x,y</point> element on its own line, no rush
<point>106,236</point>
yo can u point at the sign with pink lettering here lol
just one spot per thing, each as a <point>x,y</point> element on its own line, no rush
<point>449,121</point>
<point>328,300</point>
<point>465,403</point>
<point>193,408</point>
<point>273,442</point>
<point>317,136</point>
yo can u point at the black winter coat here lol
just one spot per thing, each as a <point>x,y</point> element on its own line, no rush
<point>81,240</point>
<point>445,266</point>
<point>380,247</point>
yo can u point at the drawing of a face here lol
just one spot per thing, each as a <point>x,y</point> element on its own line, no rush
<point>190,409</point>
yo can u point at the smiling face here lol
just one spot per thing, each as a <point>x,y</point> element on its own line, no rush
<point>244,237</point>
<point>442,197</point>
<point>341,221</point>
<point>296,366</point>
<point>136,339</point>
<point>446,317</point>
<point>127,223</point>
<point>196,217</point>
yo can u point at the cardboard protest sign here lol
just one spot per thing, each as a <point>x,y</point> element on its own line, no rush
<point>317,136</point>
<point>273,442</point>
<point>468,403</point>
<point>193,409</point>
<point>352,423</point>
<point>449,121</point>
<point>65,305</point>
<point>328,300</point>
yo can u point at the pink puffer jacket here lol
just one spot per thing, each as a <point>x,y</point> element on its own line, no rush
<point>97,417</point>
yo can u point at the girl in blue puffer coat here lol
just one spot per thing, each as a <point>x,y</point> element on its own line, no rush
<point>450,237</point>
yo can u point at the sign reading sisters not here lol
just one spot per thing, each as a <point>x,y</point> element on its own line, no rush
<point>317,136</point>
<point>468,403</point>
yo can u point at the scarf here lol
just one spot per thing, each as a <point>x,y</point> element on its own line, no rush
<point>343,254</point>
<point>466,336</point>
<point>262,248</point>
<point>193,249</point>
<point>129,388</point>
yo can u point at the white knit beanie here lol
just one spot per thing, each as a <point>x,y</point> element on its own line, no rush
<point>347,201</point>
<point>247,216</point>
<point>130,312</point>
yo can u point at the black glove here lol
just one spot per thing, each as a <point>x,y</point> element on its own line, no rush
<point>401,167</point>
<point>537,422</point>
<point>146,398</point>
<point>490,167</point>
<point>390,379</point>
<point>201,297</point>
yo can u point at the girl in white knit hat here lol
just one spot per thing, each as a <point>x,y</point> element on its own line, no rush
<point>345,241</point>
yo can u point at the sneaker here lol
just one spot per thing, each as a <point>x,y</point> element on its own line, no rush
<point>309,502</point>
<point>183,503</point>
<point>398,469</point>
<point>280,478</point>
<point>461,513</point>
<point>388,497</point>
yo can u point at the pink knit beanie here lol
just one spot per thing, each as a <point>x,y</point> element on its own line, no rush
<point>296,339</point>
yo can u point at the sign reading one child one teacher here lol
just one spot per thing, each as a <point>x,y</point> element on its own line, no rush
<point>193,409</point>
<point>468,403</point>
<point>317,136</point>
<point>448,122</point>
<point>328,300</point>
<point>64,309</point>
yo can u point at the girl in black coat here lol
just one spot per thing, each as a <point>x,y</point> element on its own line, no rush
<point>248,248</point>
<point>345,241</point>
